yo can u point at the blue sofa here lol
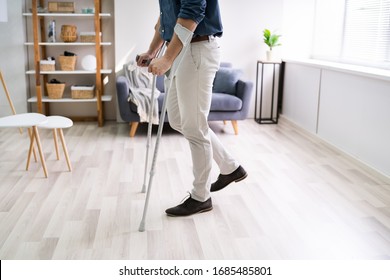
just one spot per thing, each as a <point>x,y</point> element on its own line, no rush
<point>230,100</point>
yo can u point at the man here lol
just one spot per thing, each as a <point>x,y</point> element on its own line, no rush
<point>192,26</point>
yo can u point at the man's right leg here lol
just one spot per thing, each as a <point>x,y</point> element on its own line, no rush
<point>226,163</point>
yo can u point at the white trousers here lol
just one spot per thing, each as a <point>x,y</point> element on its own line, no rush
<point>188,106</point>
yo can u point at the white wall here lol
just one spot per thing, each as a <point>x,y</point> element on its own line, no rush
<point>12,59</point>
<point>301,95</point>
<point>346,109</point>
<point>244,22</point>
<point>242,41</point>
<point>354,115</point>
<point>134,23</point>
<point>298,27</point>
<point>134,20</point>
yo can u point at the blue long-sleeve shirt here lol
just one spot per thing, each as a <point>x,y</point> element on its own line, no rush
<point>204,12</point>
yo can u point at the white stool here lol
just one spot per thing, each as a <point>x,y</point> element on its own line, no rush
<point>28,120</point>
<point>57,123</point>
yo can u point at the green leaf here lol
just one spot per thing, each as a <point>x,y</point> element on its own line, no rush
<point>271,40</point>
<point>267,33</point>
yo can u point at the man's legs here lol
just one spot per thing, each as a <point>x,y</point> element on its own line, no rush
<point>188,103</point>
<point>226,163</point>
<point>188,106</point>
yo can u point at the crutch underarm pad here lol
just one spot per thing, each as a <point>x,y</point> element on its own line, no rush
<point>184,34</point>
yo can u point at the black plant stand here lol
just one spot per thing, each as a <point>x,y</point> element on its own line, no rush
<point>273,117</point>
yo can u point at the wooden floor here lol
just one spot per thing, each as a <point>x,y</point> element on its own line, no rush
<point>301,200</point>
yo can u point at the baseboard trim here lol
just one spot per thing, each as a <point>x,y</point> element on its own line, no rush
<point>363,165</point>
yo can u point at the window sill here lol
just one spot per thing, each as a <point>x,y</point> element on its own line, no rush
<point>382,74</point>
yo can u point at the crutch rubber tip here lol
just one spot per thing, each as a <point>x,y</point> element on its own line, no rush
<point>141,227</point>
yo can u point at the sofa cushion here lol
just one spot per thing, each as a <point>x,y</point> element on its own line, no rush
<point>225,102</point>
<point>160,83</point>
<point>226,79</point>
<point>220,102</point>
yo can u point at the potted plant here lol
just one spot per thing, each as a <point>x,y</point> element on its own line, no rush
<point>271,40</point>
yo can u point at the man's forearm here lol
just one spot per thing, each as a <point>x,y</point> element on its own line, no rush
<point>185,29</point>
<point>176,45</point>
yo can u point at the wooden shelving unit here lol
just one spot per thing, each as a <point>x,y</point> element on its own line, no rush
<point>40,49</point>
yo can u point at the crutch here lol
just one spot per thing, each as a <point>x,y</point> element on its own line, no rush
<point>185,39</point>
<point>149,137</point>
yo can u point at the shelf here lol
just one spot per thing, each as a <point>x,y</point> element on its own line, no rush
<point>67,15</point>
<point>75,72</point>
<point>67,44</point>
<point>45,99</point>
<point>40,45</point>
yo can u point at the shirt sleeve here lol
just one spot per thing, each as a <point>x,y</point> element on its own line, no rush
<point>193,9</point>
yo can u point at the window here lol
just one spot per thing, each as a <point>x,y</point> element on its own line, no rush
<point>358,33</point>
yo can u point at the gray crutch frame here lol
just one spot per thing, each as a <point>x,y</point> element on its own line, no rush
<point>150,125</point>
<point>170,75</point>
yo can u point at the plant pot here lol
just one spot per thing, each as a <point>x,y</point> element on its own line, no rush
<point>269,55</point>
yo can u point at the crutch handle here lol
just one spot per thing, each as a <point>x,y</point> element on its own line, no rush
<point>145,61</point>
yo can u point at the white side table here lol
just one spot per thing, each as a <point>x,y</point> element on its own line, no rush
<point>57,123</point>
<point>29,120</point>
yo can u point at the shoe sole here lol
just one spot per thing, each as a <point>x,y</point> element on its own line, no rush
<point>241,178</point>
<point>200,211</point>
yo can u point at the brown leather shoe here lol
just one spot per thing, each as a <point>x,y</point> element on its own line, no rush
<point>224,180</point>
<point>189,207</point>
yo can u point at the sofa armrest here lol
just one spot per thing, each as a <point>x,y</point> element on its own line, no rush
<point>122,91</point>
<point>244,92</point>
<point>122,88</point>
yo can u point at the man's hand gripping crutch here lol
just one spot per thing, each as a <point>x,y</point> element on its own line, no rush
<point>146,60</point>
<point>159,66</point>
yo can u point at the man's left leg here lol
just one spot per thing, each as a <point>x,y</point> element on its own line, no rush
<point>194,81</point>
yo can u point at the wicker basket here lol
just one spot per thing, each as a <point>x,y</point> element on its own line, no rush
<point>47,65</point>
<point>61,7</point>
<point>55,91</point>
<point>69,33</point>
<point>82,92</point>
<point>67,63</point>
<point>87,37</point>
